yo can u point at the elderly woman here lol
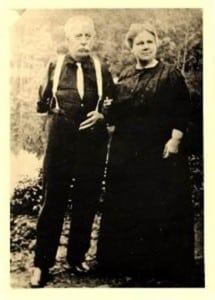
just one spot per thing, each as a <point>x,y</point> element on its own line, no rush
<point>147,225</point>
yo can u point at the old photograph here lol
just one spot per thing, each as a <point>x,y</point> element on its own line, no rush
<point>106,138</point>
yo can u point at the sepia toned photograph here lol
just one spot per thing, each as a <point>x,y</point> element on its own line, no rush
<point>106,148</point>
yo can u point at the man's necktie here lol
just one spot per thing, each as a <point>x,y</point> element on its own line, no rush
<point>80,80</point>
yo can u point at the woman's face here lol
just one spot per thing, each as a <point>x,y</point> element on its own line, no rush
<point>144,47</point>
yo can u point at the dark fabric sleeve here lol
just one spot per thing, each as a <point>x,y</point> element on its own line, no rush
<point>181,100</point>
<point>123,104</point>
<point>108,92</point>
<point>45,90</point>
<point>109,87</point>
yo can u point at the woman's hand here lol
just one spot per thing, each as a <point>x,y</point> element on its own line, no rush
<point>172,146</point>
<point>92,118</point>
<point>107,102</point>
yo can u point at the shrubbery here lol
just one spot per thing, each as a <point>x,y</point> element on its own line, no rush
<point>27,197</point>
<point>24,207</point>
<point>196,182</point>
<point>23,232</point>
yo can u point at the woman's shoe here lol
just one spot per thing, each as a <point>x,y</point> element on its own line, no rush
<point>81,269</point>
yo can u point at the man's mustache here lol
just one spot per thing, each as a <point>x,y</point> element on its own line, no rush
<point>84,50</point>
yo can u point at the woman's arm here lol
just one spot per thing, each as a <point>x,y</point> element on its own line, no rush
<point>180,112</point>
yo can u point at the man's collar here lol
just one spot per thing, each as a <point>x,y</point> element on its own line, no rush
<point>69,59</point>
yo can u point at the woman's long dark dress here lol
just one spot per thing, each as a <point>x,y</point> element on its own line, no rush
<point>147,223</point>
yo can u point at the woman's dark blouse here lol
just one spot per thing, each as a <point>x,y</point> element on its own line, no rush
<point>150,103</point>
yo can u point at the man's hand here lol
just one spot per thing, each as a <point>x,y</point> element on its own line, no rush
<point>92,118</point>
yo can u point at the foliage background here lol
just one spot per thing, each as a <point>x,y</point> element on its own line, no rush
<point>35,38</point>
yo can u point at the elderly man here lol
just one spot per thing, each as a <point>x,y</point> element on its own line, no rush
<point>72,94</point>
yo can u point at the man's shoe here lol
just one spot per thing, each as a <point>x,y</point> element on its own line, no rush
<point>39,277</point>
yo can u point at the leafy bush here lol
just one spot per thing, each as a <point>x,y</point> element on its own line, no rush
<point>197,185</point>
<point>27,197</point>
<point>23,233</point>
